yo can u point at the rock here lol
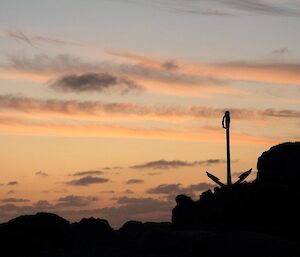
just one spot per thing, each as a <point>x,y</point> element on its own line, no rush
<point>184,212</point>
<point>268,203</point>
<point>132,229</point>
<point>39,220</point>
<point>280,164</point>
<point>92,231</point>
<point>34,233</point>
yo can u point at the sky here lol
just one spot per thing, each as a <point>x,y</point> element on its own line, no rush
<point>111,108</point>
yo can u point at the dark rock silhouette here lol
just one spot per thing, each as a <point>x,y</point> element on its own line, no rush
<point>34,233</point>
<point>267,204</point>
<point>89,232</point>
<point>281,164</point>
<point>132,229</point>
<point>260,218</point>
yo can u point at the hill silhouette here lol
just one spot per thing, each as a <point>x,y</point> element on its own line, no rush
<point>260,218</point>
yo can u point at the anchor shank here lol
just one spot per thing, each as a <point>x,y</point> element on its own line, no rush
<point>228,156</point>
<point>226,125</point>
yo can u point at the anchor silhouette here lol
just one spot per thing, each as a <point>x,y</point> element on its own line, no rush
<point>244,175</point>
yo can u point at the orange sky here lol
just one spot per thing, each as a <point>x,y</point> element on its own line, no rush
<point>115,113</point>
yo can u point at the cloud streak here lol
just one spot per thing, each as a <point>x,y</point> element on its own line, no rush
<point>170,191</point>
<point>23,115</point>
<point>33,40</point>
<point>41,174</point>
<point>26,126</point>
<point>260,7</point>
<point>229,7</point>
<point>174,164</point>
<point>134,181</point>
<point>281,51</point>
<point>44,67</point>
<point>14,200</point>
<point>75,201</point>
<point>225,73</point>
<point>98,109</point>
<point>87,173</point>
<point>86,181</point>
<point>13,183</point>
<point>71,74</point>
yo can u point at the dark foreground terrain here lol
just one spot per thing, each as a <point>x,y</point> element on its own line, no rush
<point>260,218</point>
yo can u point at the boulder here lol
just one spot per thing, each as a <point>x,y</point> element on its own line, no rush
<point>280,164</point>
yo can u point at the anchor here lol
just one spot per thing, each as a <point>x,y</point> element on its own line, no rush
<point>244,175</point>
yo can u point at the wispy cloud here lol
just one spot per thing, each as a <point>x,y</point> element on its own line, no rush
<point>228,7</point>
<point>113,168</point>
<point>33,40</point>
<point>128,191</point>
<point>75,201</point>
<point>51,65</point>
<point>27,126</point>
<point>87,173</point>
<point>166,71</point>
<point>13,183</point>
<point>153,173</point>
<point>14,200</point>
<point>172,190</point>
<point>269,72</point>
<point>163,164</point>
<point>25,116</point>
<point>165,189</point>
<point>260,7</point>
<point>41,174</point>
<point>134,181</point>
<point>178,188</point>
<point>71,74</point>
<point>224,73</point>
<point>281,51</point>
<point>84,109</point>
<point>86,181</point>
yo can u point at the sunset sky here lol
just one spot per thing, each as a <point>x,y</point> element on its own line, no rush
<point>111,108</point>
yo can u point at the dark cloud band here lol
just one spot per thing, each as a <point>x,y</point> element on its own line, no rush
<point>163,164</point>
<point>92,108</point>
<point>86,181</point>
<point>94,82</point>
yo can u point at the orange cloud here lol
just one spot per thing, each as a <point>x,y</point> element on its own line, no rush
<point>14,104</point>
<point>156,75</point>
<point>277,73</point>
<point>151,62</point>
<point>20,126</point>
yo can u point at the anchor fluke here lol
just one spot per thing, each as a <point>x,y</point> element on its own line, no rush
<point>243,176</point>
<point>215,179</point>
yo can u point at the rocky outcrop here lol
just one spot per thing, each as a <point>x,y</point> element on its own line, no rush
<point>34,233</point>
<point>281,164</point>
<point>269,203</point>
<point>91,231</point>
